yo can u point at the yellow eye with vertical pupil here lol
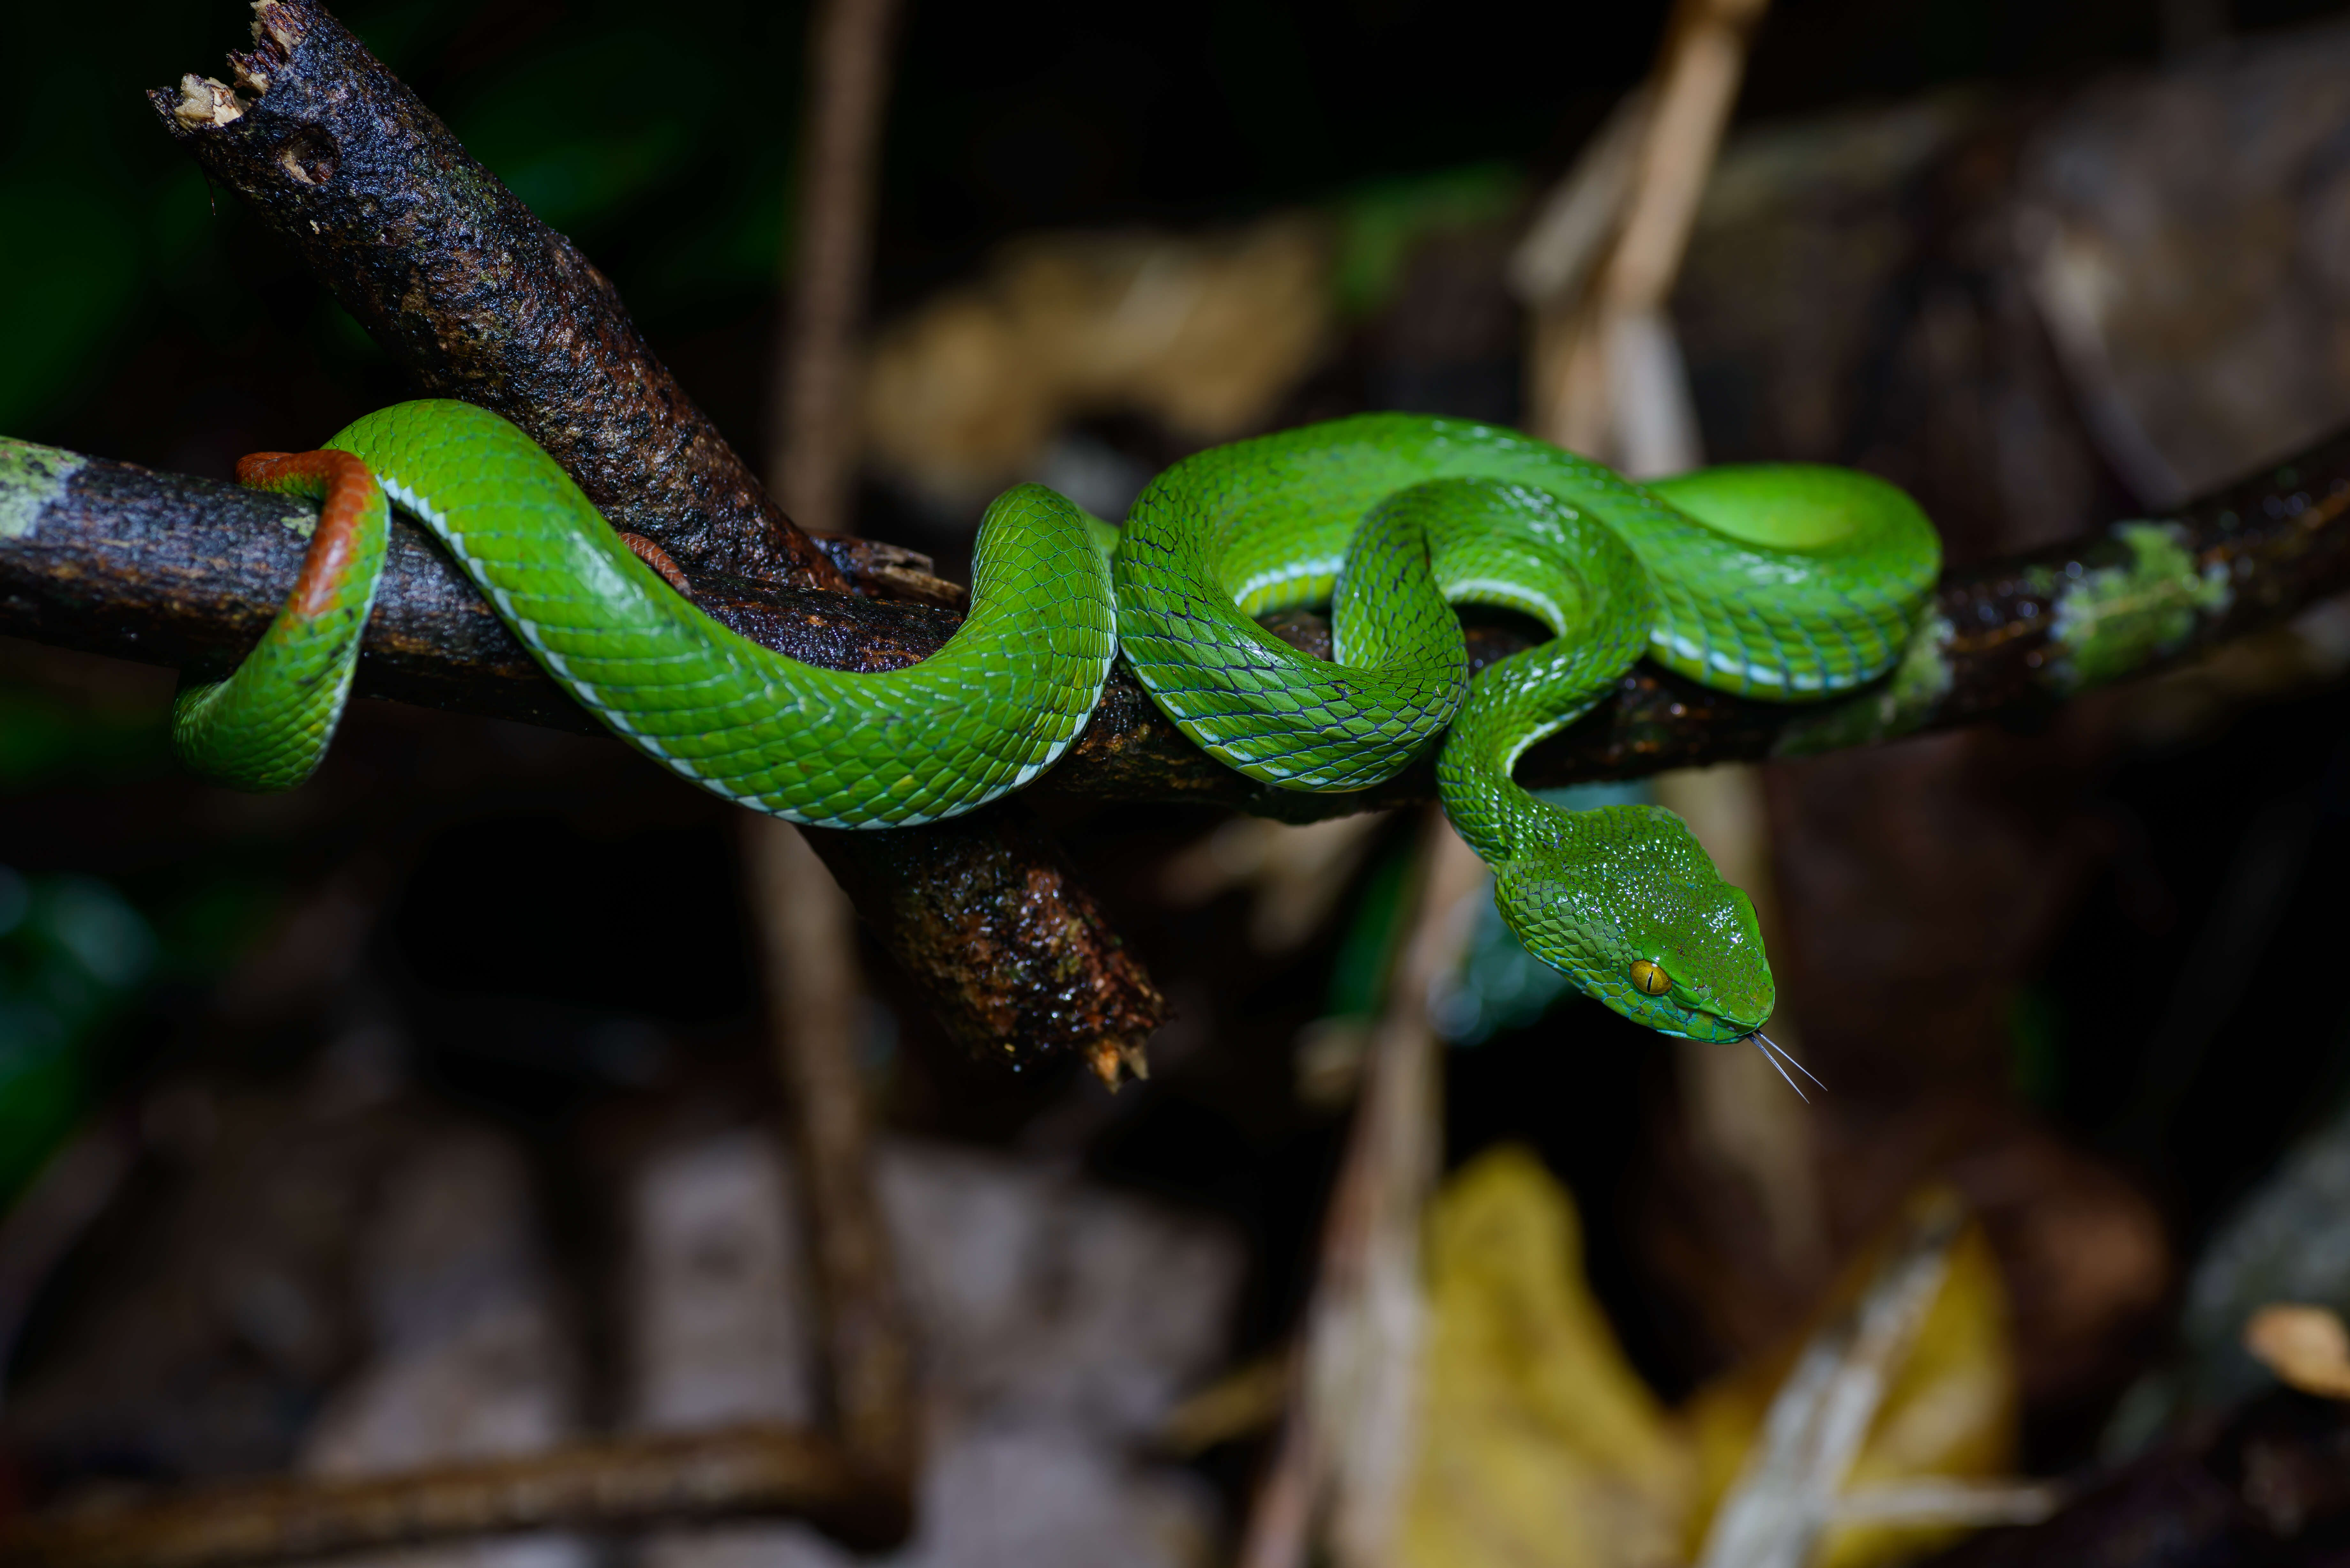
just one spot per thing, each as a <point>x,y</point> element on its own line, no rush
<point>1650,978</point>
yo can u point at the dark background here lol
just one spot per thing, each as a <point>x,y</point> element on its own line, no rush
<point>149,320</point>
<point>559,930</point>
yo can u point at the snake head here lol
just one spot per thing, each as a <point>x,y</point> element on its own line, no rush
<point>1624,901</point>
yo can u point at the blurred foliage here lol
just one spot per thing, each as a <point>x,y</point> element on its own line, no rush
<point>73,954</point>
<point>2288,1241</point>
<point>90,968</point>
<point>2036,1047</point>
<point>47,739</point>
<point>1358,976</point>
<point>1950,1410</point>
<point>1380,224</point>
<point>63,297</point>
<point>667,151</point>
<point>79,956</point>
<point>1542,1448</point>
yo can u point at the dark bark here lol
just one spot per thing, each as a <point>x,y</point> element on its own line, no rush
<point>2270,1485</point>
<point>470,293</point>
<point>477,299</point>
<point>113,560</point>
<point>957,906</point>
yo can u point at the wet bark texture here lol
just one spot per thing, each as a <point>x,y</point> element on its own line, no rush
<point>112,558</point>
<point>477,299</point>
<point>469,292</point>
<point>956,906</point>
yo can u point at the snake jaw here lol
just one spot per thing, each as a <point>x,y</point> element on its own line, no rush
<point>1743,1002</point>
<point>1726,1017</point>
<point>1704,1021</point>
<point>1685,1014</point>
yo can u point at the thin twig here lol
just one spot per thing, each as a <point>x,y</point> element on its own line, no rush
<point>1353,1430</point>
<point>812,970</point>
<point>629,1484</point>
<point>1692,89</point>
<point>1937,1502</point>
<point>849,85</point>
<point>808,923</point>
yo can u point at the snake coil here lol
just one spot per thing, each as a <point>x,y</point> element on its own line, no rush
<point>1787,582</point>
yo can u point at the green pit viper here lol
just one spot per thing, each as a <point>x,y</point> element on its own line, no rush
<point>1786,582</point>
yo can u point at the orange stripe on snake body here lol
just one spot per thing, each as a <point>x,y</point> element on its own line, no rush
<point>350,486</point>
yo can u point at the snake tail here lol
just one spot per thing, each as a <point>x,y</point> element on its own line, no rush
<point>993,708</point>
<point>268,726</point>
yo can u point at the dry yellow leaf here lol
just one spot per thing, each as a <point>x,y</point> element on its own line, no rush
<point>1205,333</point>
<point>1540,1447</point>
<point>2306,1346</point>
<point>1950,1410</point>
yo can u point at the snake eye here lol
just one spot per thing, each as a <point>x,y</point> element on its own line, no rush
<point>1650,978</point>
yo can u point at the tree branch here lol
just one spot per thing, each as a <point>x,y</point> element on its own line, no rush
<point>476,298</point>
<point>808,926</point>
<point>469,292</point>
<point>114,559</point>
<point>815,437</point>
<point>106,564</point>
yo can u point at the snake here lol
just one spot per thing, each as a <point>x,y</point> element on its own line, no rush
<point>1785,582</point>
